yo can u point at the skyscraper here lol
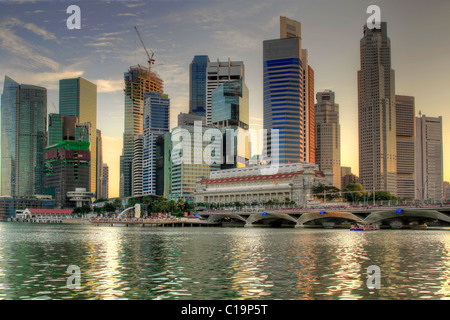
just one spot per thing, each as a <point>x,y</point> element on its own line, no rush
<point>105,181</point>
<point>230,112</point>
<point>328,136</point>
<point>137,166</point>
<point>138,80</point>
<point>156,123</point>
<point>78,97</point>
<point>23,125</point>
<point>376,113</point>
<point>230,104</point>
<point>289,94</point>
<point>67,167</point>
<point>429,161</point>
<point>197,85</point>
<point>309,140</point>
<point>218,73</point>
<point>66,128</point>
<point>406,141</point>
<point>99,163</point>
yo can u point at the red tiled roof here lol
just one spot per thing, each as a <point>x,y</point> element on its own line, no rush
<point>256,178</point>
<point>252,178</point>
<point>54,211</point>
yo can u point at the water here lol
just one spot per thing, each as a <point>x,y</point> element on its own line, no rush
<point>220,263</point>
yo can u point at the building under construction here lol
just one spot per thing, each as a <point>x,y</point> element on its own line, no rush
<point>138,80</point>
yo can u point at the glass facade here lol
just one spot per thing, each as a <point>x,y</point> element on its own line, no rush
<point>156,123</point>
<point>9,137</point>
<point>137,82</point>
<point>24,113</point>
<point>197,86</point>
<point>283,104</point>
<point>78,97</point>
<point>230,103</point>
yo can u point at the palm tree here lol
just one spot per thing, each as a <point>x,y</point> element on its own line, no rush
<point>181,204</point>
<point>171,205</point>
<point>164,206</point>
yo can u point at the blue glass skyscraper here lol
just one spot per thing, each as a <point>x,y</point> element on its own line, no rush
<point>283,91</point>
<point>197,85</point>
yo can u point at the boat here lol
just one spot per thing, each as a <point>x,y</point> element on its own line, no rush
<point>364,227</point>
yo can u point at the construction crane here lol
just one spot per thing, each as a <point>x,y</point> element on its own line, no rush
<point>150,58</point>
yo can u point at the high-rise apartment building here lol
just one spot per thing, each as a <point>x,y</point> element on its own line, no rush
<point>429,158</point>
<point>105,181</point>
<point>78,97</point>
<point>328,136</point>
<point>406,141</point>
<point>138,80</point>
<point>289,94</point>
<point>156,123</point>
<point>218,73</point>
<point>376,113</point>
<point>197,85</point>
<point>23,139</point>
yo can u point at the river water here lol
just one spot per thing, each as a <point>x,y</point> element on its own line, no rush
<point>220,263</point>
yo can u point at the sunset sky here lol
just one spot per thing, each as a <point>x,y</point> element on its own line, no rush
<point>37,48</point>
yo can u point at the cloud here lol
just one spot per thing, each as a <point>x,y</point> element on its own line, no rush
<point>127,14</point>
<point>107,86</point>
<point>46,35</point>
<point>19,47</point>
<point>133,5</point>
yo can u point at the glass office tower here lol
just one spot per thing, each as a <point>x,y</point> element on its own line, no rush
<point>283,91</point>
<point>24,113</point>
<point>78,97</point>
<point>156,123</point>
<point>197,85</point>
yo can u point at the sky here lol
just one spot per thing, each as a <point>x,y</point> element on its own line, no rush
<point>36,47</point>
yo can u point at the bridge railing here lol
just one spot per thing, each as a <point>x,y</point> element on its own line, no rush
<point>328,208</point>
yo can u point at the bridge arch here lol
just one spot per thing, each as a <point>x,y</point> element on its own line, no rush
<point>312,216</point>
<point>379,216</point>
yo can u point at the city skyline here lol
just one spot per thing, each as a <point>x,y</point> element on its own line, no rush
<point>37,48</point>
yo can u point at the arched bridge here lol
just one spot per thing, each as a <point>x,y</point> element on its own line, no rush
<point>299,219</point>
<point>325,217</point>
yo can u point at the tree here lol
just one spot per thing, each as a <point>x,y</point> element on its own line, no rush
<point>321,190</point>
<point>172,205</point>
<point>131,202</point>
<point>353,192</point>
<point>100,200</point>
<point>382,195</point>
<point>83,209</point>
<point>181,204</point>
<point>117,204</point>
<point>109,208</point>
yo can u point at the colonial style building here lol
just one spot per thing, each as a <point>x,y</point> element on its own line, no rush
<point>292,180</point>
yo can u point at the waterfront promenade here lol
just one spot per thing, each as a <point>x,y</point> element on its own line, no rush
<point>154,222</point>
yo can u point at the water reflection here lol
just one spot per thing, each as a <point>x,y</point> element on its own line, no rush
<point>220,263</point>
